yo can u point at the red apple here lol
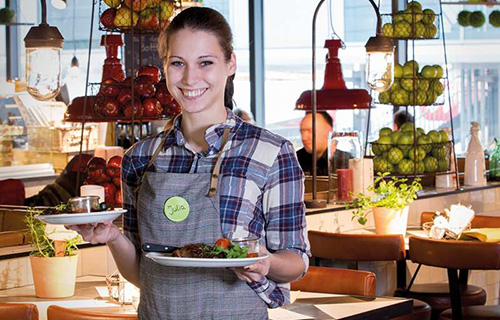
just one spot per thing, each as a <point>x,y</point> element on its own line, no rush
<point>127,82</point>
<point>109,192</point>
<point>89,181</point>
<point>152,107</point>
<point>162,93</point>
<point>110,88</point>
<point>144,86</point>
<point>124,96</point>
<point>148,19</point>
<point>110,108</point>
<point>118,198</point>
<point>173,109</point>
<point>117,182</point>
<point>108,17</point>
<point>96,163</point>
<point>115,162</point>
<point>137,110</point>
<point>151,71</point>
<point>136,5</point>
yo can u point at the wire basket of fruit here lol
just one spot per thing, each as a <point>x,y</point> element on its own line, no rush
<point>146,16</point>
<point>399,153</point>
<point>411,86</point>
<point>414,23</point>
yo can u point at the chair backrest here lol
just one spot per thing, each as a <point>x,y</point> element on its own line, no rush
<point>357,247</point>
<point>60,313</point>
<point>340,281</point>
<point>18,311</point>
<point>477,222</point>
<point>455,254</point>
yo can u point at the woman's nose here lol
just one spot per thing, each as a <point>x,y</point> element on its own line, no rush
<point>191,75</point>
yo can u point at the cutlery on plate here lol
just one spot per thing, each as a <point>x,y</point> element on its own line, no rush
<point>151,247</point>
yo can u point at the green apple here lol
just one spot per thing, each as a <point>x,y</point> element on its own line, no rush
<point>406,166</point>
<point>399,16</point>
<point>388,30</point>
<point>444,136</point>
<point>429,16</point>
<point>414,5</point>
<point>431,164</point>
<point>385,131</point>
<point>395,136</point>
<point>409,84</point>
<point>417,153</point>
<point>431,98</point>
<point>437,87</point>
<point>400,97</point>
<point>434,136</point>
<point>430,31</point>
<point>423,84</point>
<point>384,97</point>
<point>410,68</point>
<point>398,70</point>
<point>418,98</point>
<point>421,131</point>
<point>419,30</point>
<point>425,142</point>
<point>439,70</point>
<point>395,155</point>
<point>124,19</point>
<point>429,72</point>
<point>396,85</point>
<point>384,143</point>
<point>112,3</point>
<point>413,15</point>
<point>402,29</point>
<point>407,127</point>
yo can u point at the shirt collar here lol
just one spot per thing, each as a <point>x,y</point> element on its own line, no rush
<point>213,134</point>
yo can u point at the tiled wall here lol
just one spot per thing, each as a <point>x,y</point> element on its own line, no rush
<point>486,202</point>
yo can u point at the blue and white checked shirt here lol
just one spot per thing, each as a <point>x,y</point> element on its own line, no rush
<point>261,188</point>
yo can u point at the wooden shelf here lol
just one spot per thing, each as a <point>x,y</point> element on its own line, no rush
<point>471,3</point>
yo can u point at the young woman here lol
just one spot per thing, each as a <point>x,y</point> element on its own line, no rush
<point>239,180</point>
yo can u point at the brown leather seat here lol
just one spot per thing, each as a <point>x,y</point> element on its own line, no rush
<point>475,313</point>
<point>457,255</point>
<point>18,311</point>
<point>365,247</point>
<point>60,313</point>
<point>341,281</point>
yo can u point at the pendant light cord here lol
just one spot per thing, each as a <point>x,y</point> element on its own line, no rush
<point>44,12</point>
<point>334,34</point>
<point>379,20</point>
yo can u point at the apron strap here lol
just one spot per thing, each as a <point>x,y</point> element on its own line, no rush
<point>214,178</point>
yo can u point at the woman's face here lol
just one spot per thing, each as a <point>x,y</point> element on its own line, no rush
<point>197,71</point>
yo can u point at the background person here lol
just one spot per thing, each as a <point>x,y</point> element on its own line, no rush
<point>244,115</point>
<point>257,191</point>
<point>324,124</point>
<point>401,117</point>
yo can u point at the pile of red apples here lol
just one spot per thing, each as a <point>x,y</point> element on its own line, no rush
<point>107,175</point>
<point>151,97</point>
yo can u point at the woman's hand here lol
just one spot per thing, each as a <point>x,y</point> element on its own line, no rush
<point>256,271</point>
<point>95,233</point>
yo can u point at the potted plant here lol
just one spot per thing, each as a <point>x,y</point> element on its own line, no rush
<point>53,262</point>
<point>389,203</point>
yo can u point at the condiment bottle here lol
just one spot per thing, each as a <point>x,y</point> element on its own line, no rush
<point>475,169</point>
<point>495,162</point>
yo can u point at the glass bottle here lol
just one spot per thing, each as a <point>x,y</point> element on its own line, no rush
<point>345,166</point>
<point>495,162</point>
<point>475,169</point>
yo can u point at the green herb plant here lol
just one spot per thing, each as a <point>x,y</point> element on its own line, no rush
<point>43,245</point>
<point>232,252</point>
<point>394,193</point>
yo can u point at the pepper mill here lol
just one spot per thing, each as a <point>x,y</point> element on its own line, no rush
<point>112,67</point>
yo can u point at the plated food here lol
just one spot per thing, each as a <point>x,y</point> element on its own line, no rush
<point>223,248</point>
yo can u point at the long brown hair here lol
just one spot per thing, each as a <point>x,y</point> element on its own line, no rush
<point>208,20</point>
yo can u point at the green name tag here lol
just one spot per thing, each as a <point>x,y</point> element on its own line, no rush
<point>176,209</point>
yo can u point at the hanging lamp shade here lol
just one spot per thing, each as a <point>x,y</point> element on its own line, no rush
<point>334,93</point>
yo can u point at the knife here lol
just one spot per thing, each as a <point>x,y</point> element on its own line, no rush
<point>151,247</point>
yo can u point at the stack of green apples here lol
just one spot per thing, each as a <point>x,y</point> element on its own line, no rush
<point>412,23</point>
<point>412,87</point>
<point>396,152</point>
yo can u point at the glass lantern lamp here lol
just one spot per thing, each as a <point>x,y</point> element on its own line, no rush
<point>379,59</point>
<point>43,59</point>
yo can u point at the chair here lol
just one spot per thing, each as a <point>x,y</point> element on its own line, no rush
<point>18,311</point>
<point>457,255</point>
<point>365,247</point>
<point>340,281</point>
<point>60,313</point>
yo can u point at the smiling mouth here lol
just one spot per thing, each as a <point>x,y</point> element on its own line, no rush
<point>193,94</point>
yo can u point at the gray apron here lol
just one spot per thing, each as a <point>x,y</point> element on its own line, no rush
<point>188,293</point>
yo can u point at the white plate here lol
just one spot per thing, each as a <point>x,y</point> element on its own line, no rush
<point>81,218</point>
<point>166,259</point>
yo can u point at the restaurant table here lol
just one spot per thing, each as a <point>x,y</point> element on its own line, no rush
<point>306,305</point>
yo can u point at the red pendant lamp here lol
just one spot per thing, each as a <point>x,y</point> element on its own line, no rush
<point>334,94</point>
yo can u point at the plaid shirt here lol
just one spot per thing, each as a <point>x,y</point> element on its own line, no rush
<point>261,188</point>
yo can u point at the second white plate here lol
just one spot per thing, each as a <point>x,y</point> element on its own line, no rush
<point>81,218</point>
<point>166,259</point>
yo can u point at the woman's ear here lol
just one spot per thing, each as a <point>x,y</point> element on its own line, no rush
<point>232,64</point>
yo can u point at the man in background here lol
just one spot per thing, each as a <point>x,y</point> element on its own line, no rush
<point>324,124</point>
<point>401,117</point>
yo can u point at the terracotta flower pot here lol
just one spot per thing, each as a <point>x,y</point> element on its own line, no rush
<point>54,277</point>
<point>390,221</point>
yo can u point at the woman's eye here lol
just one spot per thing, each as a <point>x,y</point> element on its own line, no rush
<point>176,63</point>
<point>206,63</point>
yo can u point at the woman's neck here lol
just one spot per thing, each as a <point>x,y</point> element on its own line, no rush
<point>195,125</point>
